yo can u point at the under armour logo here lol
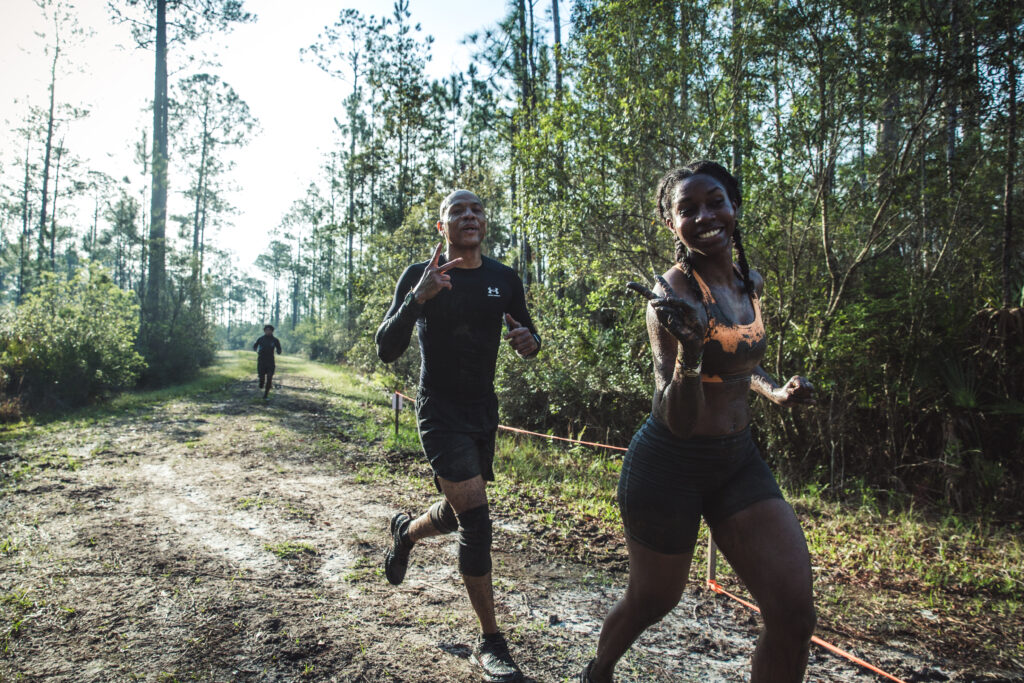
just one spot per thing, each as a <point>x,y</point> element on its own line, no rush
<point>493,291</point>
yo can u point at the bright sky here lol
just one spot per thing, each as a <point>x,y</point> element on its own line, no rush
<point>294,100</point>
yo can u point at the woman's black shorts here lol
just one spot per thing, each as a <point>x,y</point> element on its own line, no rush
<point>457,437</point>
<point>668,483</point>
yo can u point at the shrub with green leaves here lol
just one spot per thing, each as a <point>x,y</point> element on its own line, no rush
<point>71,339</point>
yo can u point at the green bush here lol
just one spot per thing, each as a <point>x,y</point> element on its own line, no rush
<point>594,369</point>
<point>177,346</point>
<point>71,340</point>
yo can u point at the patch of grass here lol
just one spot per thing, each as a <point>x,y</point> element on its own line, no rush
<point>18,599</point>
<point>363,568</point>
<point>250,503</point>
<point>341,381</point>
<point>8,546</point>
<point>294,510</point>
<point>582,478</point>
<point>13,609</point>
<point>367,402</point>
<point>372,474</point>
<point>229,367</point>
<point>291,549</point>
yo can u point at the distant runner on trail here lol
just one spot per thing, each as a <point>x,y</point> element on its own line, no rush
<point>458,302</point>
<point>695,456</point>
<point>265,366</point>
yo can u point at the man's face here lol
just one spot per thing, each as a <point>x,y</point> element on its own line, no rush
<point>268,331</point>
<point>464,223</point>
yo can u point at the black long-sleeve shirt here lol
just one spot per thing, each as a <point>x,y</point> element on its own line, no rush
<point>265,347</point>
<point>459,330</point>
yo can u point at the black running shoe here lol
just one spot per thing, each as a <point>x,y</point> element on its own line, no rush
<point>491,654</point>
<point>585,674</point>
<point>396,559</point>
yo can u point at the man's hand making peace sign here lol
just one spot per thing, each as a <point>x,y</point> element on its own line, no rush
<point>435,277</point>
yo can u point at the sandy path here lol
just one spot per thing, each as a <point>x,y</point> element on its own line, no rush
<point>222,538</point>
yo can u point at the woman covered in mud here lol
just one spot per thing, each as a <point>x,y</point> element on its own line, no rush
<point>694,456</point>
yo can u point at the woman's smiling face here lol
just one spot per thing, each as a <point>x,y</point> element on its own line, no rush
<point>702,215</point>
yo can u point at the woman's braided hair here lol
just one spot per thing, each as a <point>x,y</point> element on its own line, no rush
<point>665,190</point>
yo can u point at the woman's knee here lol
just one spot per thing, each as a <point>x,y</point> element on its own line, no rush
<point>794,619</point>
<point>650,604</point>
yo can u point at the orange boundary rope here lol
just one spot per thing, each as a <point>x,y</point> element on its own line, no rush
<point>714,585</point>
<point>545,436</point>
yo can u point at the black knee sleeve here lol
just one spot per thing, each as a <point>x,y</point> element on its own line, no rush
<point>442,516</point>
<point>475,541</point>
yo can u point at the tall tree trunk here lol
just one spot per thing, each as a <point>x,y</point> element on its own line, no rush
<point>887,132</point>
<point>521,64</point>
<point>143,256</point>
<point>351,179</point>
<point>202,238</point>
<point>684,104</point>
<point>95,225</point>
<point>531,61</point>
<point>120,260</point>
<point>557,50</point>
<point>48,149</point>
<point>26,230</point>
<point>200,215</point>
<point>277,306</point>
<point>296,288</point>
<point>970,88</point>
<point>862,136</point>
<point>53,210</point>
<point>825,179</point>
<point>156,280</point>
<point>1011,164</point>
<point>739,114</point>
<point>560,152</point>
<point>523,58</point>
<point>953,80</point>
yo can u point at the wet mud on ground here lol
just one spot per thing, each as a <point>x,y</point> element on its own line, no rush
<point>221,538</point>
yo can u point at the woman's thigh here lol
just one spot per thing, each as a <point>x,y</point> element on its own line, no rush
<point>656,579</point>
<point>765,545</point>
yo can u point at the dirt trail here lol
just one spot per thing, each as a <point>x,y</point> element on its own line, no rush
<point>223,538</point>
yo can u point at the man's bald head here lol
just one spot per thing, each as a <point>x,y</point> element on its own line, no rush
<point>451,198</point>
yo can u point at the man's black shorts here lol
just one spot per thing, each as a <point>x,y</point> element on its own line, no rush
<point>458,438</point>
<point>263,368</point>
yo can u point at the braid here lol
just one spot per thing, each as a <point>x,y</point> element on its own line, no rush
<point>741,258</point>
<point>683,259</point>
<point>680,248</point>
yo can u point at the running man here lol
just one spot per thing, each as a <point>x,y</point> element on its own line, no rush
<point>265,347</point>
<point>458,302</point>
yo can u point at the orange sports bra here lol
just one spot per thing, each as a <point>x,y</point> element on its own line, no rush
<point>731,351</point>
